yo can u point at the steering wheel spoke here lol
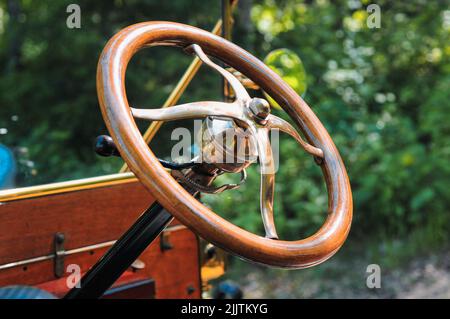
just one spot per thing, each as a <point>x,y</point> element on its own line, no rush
<point>239,89</point>
<point>274,122</point>
<point>191,110</point>
<point>267,189</point>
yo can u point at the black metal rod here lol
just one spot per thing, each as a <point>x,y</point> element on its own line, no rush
<point>122,254</point>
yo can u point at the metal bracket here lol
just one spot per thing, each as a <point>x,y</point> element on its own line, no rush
<point>60,253</point>
<point>209,189</point>
<point>164,241</point>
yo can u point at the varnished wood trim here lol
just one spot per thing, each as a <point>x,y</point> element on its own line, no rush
<point>171,228</point>
<point>65,187</point>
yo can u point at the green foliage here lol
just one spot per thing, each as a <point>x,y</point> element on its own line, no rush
<point>289,66</point>
<point>381,93</point>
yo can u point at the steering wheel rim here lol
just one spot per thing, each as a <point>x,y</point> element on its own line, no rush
<point>168,192</point>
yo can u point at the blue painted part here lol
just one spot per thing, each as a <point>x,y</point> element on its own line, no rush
<point>7,167</point>
<point>24,292</point>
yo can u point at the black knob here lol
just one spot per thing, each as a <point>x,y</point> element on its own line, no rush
<point>210,251</point>
<point>105,146</point>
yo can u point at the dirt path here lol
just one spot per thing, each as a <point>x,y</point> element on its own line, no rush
<point>426,277</point>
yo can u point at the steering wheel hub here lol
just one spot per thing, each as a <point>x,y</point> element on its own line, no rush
<point>226,145</point>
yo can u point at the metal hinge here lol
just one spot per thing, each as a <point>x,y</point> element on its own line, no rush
<point>60,253</point>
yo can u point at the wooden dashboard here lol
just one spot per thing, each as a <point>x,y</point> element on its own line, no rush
<point>41,235</point>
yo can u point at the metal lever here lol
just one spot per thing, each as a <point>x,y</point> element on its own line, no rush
<point>105,146</point>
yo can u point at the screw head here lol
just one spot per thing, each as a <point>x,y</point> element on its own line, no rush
<point>260,108</point>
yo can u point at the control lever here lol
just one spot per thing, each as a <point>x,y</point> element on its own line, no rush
<point>105,146</point>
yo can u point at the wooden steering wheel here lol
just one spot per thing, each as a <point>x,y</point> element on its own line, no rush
<point>252,114</point>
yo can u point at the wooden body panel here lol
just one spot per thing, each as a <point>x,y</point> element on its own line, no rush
<point>90,217</point>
